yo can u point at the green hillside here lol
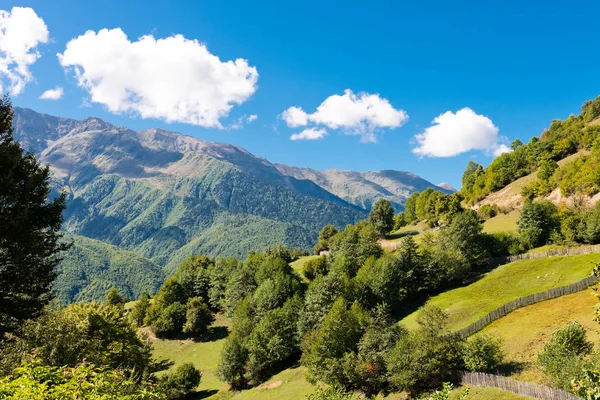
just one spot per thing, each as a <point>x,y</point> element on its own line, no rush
<point>91,267</point>
<point>508,282</point>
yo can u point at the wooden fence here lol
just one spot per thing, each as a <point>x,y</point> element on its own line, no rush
<point>511,385</point>
<point>566,251</point>
<point>525,301</point>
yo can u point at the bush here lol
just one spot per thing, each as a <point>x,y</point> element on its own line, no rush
<point>314,268</point>
<point>33,380</point>
<point>139,310</point>
<point>180,383</point>
<point>97,333</point>
<point>488,211</point>
<point>561,359</point>
<point>114,298</point>
<point>170,320</point>
<point>483,354</point>
<point>537,221</point>
<point>198,317</point>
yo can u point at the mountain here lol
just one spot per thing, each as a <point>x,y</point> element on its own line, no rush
<point>447,186</point>
<point>90,268</point>
<point>364,188</point>
<point>166,195</point>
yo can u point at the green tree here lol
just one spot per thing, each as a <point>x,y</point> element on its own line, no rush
<point>320,296</point>
<point>516,144</point>
<point>537,221</point>
<point>463,236</point>
<point>34,380</point>
<point>180,383</point>
<point>170,320</point>
<point>273,341</point>
<point>29,230</point>
<point>315,267</point>
<point>326,233</point>
<point>198,316</point>
<point>193,276</point>
<point>382,217</point>
<point>339,334</point>
<point>139,310</point>
<point>113,298</point>
<point>561,359</point>
<point>93,332</point>
<point>483,353</point>
<point>547,168</point>
<point>425,358</point>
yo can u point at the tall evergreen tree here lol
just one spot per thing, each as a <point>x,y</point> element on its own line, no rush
<point>29,229</point>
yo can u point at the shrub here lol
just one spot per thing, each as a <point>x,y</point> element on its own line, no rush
<point>561,359</point>
<point>314,268</point>
<point>33,380</point>
<point>180,383</point>
<point>113,298</point>
<point>198,317</point>
<point>170,320</point>
<point>483,353</point>
<point>139,310</point>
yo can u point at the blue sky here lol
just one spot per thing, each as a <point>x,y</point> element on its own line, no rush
<point>515,65</point>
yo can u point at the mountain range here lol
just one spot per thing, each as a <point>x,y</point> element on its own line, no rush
<point>165,195</point>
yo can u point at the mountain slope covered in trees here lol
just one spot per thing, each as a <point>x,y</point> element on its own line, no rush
<point>166,195</point>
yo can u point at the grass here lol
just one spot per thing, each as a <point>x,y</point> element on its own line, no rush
<point>502,223</point>
<point>508,282</point>
<point>526,330</point>
<point>485,393</point>
<point>299,264</point>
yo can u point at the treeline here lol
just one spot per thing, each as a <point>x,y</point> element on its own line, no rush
<point>561,139</point>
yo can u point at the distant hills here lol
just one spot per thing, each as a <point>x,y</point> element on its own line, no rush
<point>165,195</point>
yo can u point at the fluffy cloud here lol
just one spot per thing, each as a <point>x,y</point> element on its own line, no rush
<point>251,117</point>
<point>455,133</point>
<point>52,94</point>
<point>309,134</point>
<point>355,114</point>
<point>173,79</point>
<point>21,31</point>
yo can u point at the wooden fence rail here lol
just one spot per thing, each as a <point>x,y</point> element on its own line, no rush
<point>566,251</point>
<point>514,386</point>
<point>525,301</point>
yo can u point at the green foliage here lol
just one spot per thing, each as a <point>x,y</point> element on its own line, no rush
<point>193,276</point>
<point>338,335</point>
<point>561,359</point>
<point>488,211</point>
<point>546,170</point>
<point>432,206</point>
<point>315,267</point>
<point>29,230</point>
<point>332,392</point>
<point>537,221</point>
<point>90,268</point>
<point>588,385</point>
<point>399,220</point>
<point>352,247</point>
<point>425,358</point>
<point>319,297</point>
<point>33,380</point>
<point>139,310</point>
<point>444,393</point>
<point>273,341</point>
<point>170,319</point>
<point>113,298</point>
<point>483,353</point>
<point>93,332</point>
<point>180,383</point>
<point>198,317</point>
<point>463,237</point>
<point>382,217</point>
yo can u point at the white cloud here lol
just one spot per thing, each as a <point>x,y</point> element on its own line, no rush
<point>309,134</point>
<point>501,149</point>
<point>251,117</point>
<point>21,31</point>
<point>53,94</point>
<point>455,133</point>
<point>174,79</point>
<point>355,114</point>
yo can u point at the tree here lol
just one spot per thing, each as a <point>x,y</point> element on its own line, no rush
<point>180,383</point>
<point>170,320</point>
<point>561,359</point>
<point>547,168</point>
<point>483,353</point>
<point>113,298</point>
<point>34,380</point>
<point>198,317</point>
<point>425,358</point>
<point>382,217</point>
<point>29,230</point>
<point>326,233</point>
<point>193,277</point>
<point>97,333</point>
<point>516,144</point>
<point>139,310</point>
<point>537,221</point>
<point>463,236</point>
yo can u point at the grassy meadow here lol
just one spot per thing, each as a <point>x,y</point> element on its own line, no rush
<point>508,282</point>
